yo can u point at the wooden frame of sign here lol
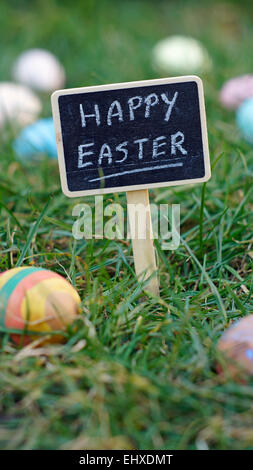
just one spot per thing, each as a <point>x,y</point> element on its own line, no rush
<point>131,137</point>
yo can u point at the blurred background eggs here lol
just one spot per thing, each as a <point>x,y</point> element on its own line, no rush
<point>36,300</point>
<point>36,140</point>
<point>236,90</point>
<point>180,55</point>
<point>19,106</point>
<point>39,69</point>
<point>237,346</point>
<point>244,119</point>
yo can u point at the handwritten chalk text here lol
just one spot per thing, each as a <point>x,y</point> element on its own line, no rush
<point>106,155</point>
<point>115,111</point>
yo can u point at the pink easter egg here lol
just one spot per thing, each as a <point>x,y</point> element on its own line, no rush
<point>236,90</point>
<point>236,344</point>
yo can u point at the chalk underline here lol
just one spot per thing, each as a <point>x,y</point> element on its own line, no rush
<point>137,170</point>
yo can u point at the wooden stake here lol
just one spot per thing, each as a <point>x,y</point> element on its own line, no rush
<point>143,249</point>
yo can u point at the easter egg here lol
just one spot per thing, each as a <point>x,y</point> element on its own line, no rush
<point>34,301</point>
<point>237,346</point>
<point>179,55</point>
<point>39,69</point>
<point>19,106</point>
<point>244,119</point>
<point>36,140</point>
<point>236,90</point>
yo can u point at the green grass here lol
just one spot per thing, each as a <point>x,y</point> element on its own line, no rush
<point>138,372</point>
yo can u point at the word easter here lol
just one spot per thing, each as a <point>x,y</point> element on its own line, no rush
<point>131,136</point>
<point>105,153</point>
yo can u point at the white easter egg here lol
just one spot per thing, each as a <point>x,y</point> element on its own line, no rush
<point>19,106</point>
<point>40,70</point>
<point>180,54</point>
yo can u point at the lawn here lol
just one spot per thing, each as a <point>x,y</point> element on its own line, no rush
<point>139,372</point>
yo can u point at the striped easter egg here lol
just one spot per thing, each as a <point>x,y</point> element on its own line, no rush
<point>36,300</point>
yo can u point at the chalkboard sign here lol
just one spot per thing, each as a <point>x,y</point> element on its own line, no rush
<point>130,136</point>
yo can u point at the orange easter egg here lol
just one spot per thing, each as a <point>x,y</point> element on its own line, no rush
<point>34,301</point>
<point>237,346</point>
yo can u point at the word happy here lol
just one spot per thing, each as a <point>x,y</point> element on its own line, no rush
<point>91,153</point>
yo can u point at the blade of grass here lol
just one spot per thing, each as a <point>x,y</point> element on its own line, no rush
<point>12,215</point>
<point>31,234</point>
<point>208,279</point>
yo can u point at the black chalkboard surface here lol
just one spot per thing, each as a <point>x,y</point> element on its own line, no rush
<point>131,136</point>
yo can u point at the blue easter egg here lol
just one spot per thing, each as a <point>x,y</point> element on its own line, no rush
<point>36,139</point>
<point>244,119</point>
